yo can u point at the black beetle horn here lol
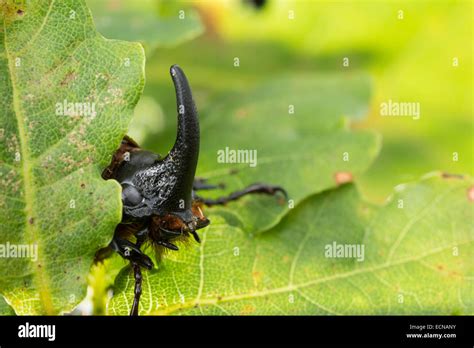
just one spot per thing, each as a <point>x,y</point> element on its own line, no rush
<point>185,151</point>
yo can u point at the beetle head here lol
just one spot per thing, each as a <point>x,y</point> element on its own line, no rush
<point>167,184</point>
<point>177,224</point>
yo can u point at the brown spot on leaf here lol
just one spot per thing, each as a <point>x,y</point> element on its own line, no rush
<point>83,185</point>
<point>241,113</point>
<point>343,177</point>
<point>440,267</point>
<point>454,274</point>
<point>10,11</point>
<point>451,176</point>
<point>470,194</point>
<point>31,221</point>
<point>68,78</point>
<point>247,309</point>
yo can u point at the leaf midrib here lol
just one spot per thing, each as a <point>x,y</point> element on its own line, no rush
<point>29,193</point>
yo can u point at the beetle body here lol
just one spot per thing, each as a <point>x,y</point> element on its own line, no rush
<point>159,194</point>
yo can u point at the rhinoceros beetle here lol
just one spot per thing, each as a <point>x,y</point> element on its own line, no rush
<point>159,194</point>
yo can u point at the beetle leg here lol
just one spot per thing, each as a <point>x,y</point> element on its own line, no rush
<point>201,184</point>
<point>167,244</point>
<point>138,288</point>
<point>137,258</point>
<point>131,252</point>
<point>141,237</point>
<point>195,236</point>
<point>170,233</point>
<point>254,188</point>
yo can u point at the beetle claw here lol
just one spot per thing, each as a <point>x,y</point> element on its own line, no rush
<point>196,236</point>
<point>167,245</point>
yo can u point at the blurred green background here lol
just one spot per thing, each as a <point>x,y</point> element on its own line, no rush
<point>408,49</point>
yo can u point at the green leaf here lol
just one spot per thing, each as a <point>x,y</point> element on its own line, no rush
<point>143,23</point>
<point>101,279</point>
<point>52,196</point>
<point>417,260</point>
<point>306,152</point>
<point>5,309</point>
